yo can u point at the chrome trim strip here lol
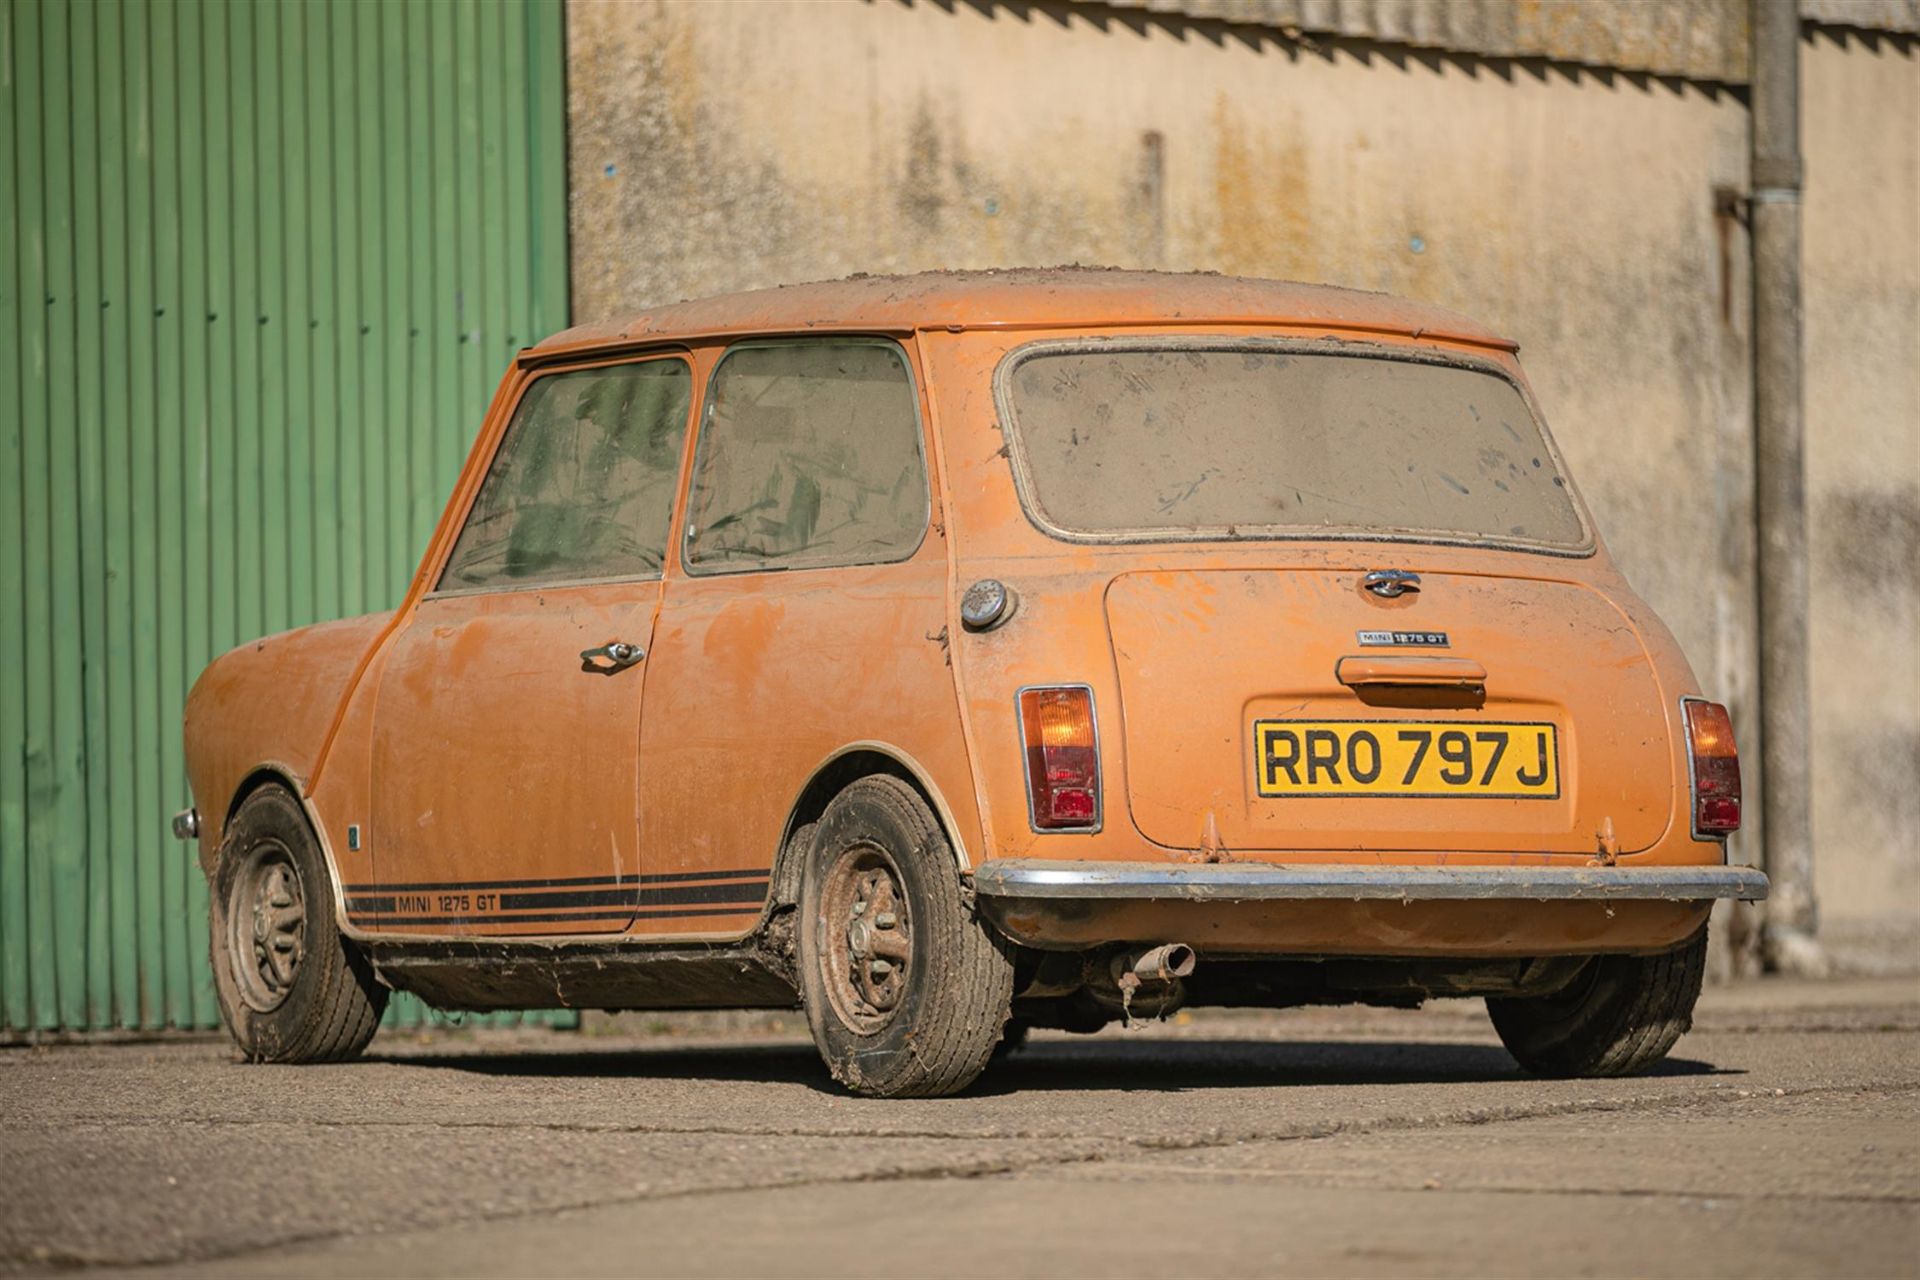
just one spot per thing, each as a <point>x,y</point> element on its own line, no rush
<point>1248,881</point>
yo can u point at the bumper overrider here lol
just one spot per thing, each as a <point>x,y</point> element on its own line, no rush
<point>1343,909</point>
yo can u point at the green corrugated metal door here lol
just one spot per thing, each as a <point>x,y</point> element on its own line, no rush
<point>261,265</point>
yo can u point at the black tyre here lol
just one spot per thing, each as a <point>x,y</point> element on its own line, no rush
<point>291,988</point>
<point>905,987</point>
<point>1619,1016</point>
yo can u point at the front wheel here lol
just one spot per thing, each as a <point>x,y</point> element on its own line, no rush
<point>905,987</point>
<point>291,988</point>
<point>1619,1015</point>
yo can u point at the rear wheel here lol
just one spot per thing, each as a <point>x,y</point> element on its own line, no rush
<point>905,987</point>
<point>1619,1015</point>
<point>291,988</point>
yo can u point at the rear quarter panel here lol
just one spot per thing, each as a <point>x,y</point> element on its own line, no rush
<point>1059,634</point>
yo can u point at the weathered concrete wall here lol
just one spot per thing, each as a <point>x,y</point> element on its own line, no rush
<point>1861,134</point>
<point>718,147</point>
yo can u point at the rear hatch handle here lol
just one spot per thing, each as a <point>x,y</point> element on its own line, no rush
<point>1420,670</point>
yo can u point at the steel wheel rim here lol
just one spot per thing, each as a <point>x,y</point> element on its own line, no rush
<point>866,952</point>
<point>266,927</point>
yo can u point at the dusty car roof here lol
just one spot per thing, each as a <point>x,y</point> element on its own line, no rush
<point>1033,298</point>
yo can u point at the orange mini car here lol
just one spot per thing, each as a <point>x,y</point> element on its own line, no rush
<point>961,653</point>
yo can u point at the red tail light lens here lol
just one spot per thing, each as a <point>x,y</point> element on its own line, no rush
<point>1063,759</point>
<point>1716,768</point>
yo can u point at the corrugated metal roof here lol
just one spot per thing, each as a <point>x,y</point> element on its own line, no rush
<point>1696,39</point>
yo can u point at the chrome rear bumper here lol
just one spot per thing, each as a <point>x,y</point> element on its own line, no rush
<point>1030,878</point>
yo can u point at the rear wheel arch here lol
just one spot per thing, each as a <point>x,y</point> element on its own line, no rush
<point>835,774</point>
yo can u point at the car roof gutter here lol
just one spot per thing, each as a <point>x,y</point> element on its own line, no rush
<point>533,357</point>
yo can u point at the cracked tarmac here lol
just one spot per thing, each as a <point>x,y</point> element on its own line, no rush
<point>1782,1137</point>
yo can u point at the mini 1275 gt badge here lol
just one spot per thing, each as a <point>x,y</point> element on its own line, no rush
<point>1412,639</point>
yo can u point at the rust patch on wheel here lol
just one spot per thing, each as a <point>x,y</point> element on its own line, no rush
<point>867,937</point>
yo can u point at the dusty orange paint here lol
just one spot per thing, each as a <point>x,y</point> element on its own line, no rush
<point>463,739</point>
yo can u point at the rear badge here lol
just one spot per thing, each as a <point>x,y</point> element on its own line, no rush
<point>1405,639</point>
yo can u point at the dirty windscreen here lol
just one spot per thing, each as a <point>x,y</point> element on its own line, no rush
<point>810,457</point>
<point>1226,441</point>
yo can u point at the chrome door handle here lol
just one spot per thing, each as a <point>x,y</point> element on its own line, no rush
<point>1391,582</point>
<point>617,654</point>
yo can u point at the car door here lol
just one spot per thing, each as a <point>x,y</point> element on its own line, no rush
<point>807,615</point>
<point>506,734</point>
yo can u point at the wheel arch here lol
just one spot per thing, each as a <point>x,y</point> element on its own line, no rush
<point>276,773</point>
<point>833,775</point>
<point>262,775</point>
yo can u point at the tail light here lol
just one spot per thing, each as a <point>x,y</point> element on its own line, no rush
<point>1063,758</point>
<point>1715,768</point>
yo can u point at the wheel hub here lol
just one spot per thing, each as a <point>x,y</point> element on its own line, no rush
<point>268,935</point>
<point>869,940</point>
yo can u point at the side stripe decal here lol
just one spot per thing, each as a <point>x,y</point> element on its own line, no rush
<point>462,886</point>
<point>557,901</point>
<point>558,917</point>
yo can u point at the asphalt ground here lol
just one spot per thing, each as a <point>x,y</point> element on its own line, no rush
<point>1781,1138</point>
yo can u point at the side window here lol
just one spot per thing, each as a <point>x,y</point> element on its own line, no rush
<point>582,486</point>
<point>810,456</point>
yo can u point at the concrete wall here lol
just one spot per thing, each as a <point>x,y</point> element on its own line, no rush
<point>1861,132</point>
<point>718,147</point>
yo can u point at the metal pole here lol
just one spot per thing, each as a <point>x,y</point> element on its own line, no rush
<point>1780,489</point>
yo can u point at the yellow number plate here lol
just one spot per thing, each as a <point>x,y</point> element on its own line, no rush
<point>1405,758</point>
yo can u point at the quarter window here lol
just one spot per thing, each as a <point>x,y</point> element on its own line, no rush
<point>810,456</point>
<point>582,487</point>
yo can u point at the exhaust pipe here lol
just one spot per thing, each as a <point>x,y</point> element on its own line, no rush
<point>1163,963</point>
<point>1151,976</point>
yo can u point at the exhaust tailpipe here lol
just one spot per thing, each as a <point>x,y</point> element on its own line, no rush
<point>1163,963</point>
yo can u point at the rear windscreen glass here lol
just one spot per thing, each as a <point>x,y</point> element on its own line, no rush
<point>1242,441</point>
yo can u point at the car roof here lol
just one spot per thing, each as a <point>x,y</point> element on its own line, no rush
<point>1030,298</point>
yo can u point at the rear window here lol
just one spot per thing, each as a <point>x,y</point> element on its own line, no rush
<point>1222,440</point>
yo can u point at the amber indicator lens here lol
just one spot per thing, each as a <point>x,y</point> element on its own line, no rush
<point>1716,769</point>
<point>1063,768</point>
